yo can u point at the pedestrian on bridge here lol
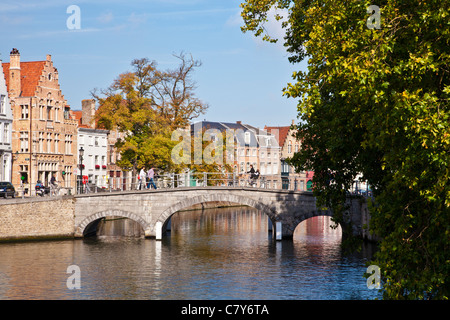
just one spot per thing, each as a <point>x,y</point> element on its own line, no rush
<point>142,178</point>
<point>151,175</point>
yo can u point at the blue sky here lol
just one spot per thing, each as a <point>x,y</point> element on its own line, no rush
<point>241,77</point>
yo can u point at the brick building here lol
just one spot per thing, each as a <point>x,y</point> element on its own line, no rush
<point>44,135</point>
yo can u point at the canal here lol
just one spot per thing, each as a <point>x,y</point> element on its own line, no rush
<point>209,254</point>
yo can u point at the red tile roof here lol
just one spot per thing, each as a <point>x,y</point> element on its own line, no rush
<point>78,116</point>
<point>282,133</point>
<point>30,72</point>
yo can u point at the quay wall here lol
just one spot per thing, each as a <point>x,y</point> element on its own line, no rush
<point>37,218</point>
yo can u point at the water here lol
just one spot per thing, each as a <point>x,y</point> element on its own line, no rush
<point>210,254</point>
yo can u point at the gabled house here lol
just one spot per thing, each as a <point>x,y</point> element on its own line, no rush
<point>44,133</point>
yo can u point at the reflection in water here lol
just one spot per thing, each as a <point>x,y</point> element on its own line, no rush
<point>210,254</point>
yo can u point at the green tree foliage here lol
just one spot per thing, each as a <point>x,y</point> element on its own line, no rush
<point>376,102</point>
<point>147,104</point>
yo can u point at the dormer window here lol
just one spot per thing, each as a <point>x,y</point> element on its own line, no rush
<point>247,137</point>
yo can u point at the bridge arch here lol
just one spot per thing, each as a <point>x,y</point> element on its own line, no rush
<point>188,202</point>
<point>89,224</point>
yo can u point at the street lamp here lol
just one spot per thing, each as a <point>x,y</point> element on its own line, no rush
<point>81,154</point>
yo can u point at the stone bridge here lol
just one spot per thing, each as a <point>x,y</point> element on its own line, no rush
<point>152,209</point>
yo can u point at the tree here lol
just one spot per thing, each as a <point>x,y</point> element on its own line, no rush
<point>376,102</point>
<point>147,105</point>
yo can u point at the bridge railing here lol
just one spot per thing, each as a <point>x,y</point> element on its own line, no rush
<point>201,179</point>
<point>171,181</point>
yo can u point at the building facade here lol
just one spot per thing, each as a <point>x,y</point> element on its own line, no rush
<point>6,120</point>
<point>44,133</point>
<point>289,179</point>
<point>95,145</point>
<point>100,154</point>
<point>252,147</point>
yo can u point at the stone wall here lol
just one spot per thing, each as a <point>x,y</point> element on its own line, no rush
<point>37,218</point>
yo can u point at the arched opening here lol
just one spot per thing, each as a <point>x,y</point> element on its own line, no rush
<point>114,226</point>
<point>319,228</point>
<point>318,239</point>
<point>212,220</point>
<point>211,201</point>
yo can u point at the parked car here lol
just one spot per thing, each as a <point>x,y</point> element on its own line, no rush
<point>7,189</point>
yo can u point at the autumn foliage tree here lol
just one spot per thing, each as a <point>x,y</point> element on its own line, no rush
<point>375,101</point>
<point>147,104</point>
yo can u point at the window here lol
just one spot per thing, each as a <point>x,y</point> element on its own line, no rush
<point>24,109</point>
<point>296,147</point>
<point>247,137</point>
<point>2,103</point>
<point>41,112</point>
<point>49,142</point>
<point>24,141</point>
<point>41,142</point>
<point>96,141</point>
<point>284,167</point>
<point>290,147</point>
<point>56,142</point>
<point>68,144</point>
<point>49,113</point>
<point>6,133</point>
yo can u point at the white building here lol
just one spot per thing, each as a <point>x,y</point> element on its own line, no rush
<point>95,145</point>
<point>6,119</point>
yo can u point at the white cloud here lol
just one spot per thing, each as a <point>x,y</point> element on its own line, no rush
<point>106,17</point>
<point>235,20</point>
<point>272,27</point>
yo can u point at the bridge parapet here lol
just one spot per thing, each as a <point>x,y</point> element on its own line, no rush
<point>152,209</point>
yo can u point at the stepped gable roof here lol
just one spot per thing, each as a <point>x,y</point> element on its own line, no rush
<point>30,72</point>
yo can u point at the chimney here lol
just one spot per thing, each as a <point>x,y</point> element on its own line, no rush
<point>239,122</point>
<point>14,89</point>
<point>88,112</point>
